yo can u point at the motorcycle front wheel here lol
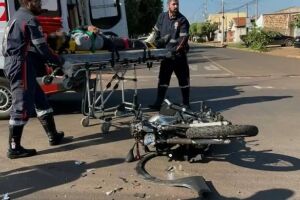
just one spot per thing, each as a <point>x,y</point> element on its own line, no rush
<point>224,131</point>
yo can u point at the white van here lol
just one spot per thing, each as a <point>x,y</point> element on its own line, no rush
<point>108,15</point>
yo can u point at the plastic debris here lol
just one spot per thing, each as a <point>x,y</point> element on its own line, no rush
<point>90,170</point>
<point>113,191</point>
<point>171,169</point>
<point>6,197</point>
<point>79,162</point>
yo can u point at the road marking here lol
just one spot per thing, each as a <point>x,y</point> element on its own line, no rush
<point>217,64</point>
<point>212,68</point>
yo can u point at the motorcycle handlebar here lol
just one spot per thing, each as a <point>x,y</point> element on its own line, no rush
<point>179,108</point>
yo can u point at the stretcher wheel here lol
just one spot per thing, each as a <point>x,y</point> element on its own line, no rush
<point>68,83</point>
<point>105,127</point>
<point>85,122</point>
<point>47,79</point>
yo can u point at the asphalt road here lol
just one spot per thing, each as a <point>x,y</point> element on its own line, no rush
<point>248,88</point>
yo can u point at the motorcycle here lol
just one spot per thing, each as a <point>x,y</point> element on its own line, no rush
<point>178,129</point>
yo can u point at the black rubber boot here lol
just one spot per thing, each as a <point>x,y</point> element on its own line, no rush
<point>15,149</point>
<point>48,124</point>
<point>161,93</point>
<point>185,92</point>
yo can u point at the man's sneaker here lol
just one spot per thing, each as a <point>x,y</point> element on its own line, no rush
<point>20,153</point>
<point>56,138</point>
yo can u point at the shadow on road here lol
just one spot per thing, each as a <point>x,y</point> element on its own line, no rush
<point>238,154</point>
<point>27,180</point>
<point>274,194</point>
<point>90,140</point>
<point>70,103</point>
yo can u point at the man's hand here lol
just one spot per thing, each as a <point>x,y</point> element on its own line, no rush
<point>93,29</point>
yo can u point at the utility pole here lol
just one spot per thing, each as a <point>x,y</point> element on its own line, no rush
<point>223,21</point>
<point>256,9</point>
<point>205,10</point>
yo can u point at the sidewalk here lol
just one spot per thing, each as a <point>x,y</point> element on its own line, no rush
<point>289,52</point>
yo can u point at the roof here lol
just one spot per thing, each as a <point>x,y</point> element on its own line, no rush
<point>239,21</point>
<point>293,9</point>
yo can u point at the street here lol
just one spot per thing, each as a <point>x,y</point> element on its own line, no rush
<point>246,87</point>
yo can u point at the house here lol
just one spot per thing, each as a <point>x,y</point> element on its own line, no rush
<point>228,20</point>
<point>237,28</point>
<point>280,21</point>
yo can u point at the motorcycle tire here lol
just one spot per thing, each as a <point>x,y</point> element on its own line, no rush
<point>225,131</point>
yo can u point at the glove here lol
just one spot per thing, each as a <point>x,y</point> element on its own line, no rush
<point>162,42</point>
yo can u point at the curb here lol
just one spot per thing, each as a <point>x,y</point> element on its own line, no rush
<point>245,49</point>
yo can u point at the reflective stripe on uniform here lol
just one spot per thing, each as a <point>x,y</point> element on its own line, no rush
<point>173,41</point>
<point>183,34</point>
<point>186,86</point>
<point>13,122</point>
<point>39,41</point>
<point>155,28</point>
<point>164,86</point>
<point>43,112</point>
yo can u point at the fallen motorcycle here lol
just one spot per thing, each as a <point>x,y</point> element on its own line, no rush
<point>176,127</point>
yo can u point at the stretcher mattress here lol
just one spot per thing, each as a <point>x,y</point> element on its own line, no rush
<point>121,56</point>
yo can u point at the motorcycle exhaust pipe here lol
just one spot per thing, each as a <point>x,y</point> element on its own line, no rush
<point>187,141</point>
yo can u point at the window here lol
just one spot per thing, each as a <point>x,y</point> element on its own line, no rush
<point>105,13</point>
<point>52,6</point>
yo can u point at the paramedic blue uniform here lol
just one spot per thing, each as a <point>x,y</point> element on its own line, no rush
<point>175,32</point>
<point>25,49</point>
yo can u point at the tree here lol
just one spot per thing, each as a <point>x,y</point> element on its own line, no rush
<point>296,21</point>
<point>142,15</point>
<point>195,29</point>
<point>208,29</point>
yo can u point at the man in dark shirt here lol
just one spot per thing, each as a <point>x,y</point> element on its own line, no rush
<point>172,32</point>
<point>25,49</point>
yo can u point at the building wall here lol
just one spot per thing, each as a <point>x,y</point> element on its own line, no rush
<point>279,22</point>
<point>228,17</point>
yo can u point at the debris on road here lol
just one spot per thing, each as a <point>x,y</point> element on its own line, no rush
<point>140,195</point>
<point>123,179</point>
<point>6,197</point>
<point>171,168</point>
<point>90,170</point>
<point>98,187</point>
<point>79,162</point>
<point>114,191</point>
<point>135,183</point>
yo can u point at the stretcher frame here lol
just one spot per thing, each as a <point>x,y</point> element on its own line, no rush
<point>94,65</point>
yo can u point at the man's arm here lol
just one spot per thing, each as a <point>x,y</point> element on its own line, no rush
<point>39,42</point>
<point>183,37</point>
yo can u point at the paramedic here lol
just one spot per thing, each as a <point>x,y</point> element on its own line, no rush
<point>25,49</point>
<point>172,32</point>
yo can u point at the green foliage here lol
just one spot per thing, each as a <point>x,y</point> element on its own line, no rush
<point>204,29</point>
<point>296,22</point>
<point>257,39</point>
<point>195,29</point>
<point>208,29</point>
<point>142,15</point>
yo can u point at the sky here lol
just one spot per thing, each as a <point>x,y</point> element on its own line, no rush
<point>194,9</point>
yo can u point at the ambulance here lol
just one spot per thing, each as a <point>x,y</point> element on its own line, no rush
<point>63,15</point>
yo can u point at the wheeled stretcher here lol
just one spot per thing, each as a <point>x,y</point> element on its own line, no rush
<point>85,71</point>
